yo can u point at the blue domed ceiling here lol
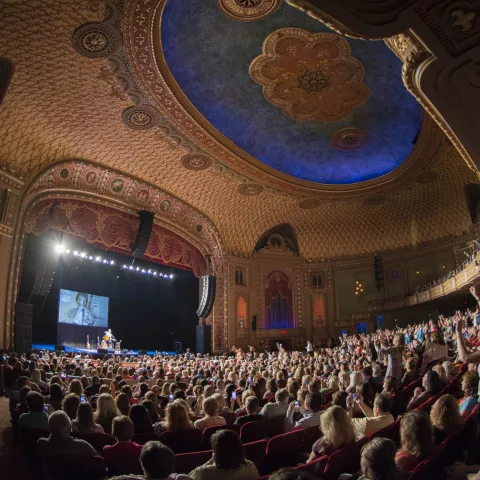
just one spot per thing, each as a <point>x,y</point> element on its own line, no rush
<point>209,55</point>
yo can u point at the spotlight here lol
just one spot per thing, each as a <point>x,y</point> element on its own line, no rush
<point>59,248</point>
<point>90,258</point>
<point>154,274</point>
<point>131,268</point>
<point>137,269</point>
<point>105,261</point>
<point>143,270</point>
<point>124,266</point>
<point>112,262</point>
<point>171,276</point>
<point>67,251</point>
<point>149,271</point>
<point>98,259</point>
<point>83,254</point>
<point>75,253</point>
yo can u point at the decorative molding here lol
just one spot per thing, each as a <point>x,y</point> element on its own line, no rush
<point>247,10</point>
<point>95,40</point>
<point>197,161</point>
<point>349,139</point>
<point>309,203</point>
<point>250,189</point>
<point>140,118</point>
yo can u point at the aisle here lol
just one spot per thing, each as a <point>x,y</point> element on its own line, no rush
<point>10,459</point>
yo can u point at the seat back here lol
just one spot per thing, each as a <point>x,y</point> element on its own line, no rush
<point>312,434</point>
<point>453,446</point>
<point>183,441</point>
<point>286,442</point>
<point>256,451</point>
<point>28,443</point>
<point>229,417</point>
<point>186,462</point>
<point>315,468</point>
<point>253,431</point>
<point>96,440</point>
<point>276,426</point>
<point>345,460</point>
<point>392,432</point>
<point>431,467</point>
<point>76,468</point>
<point>143,438</point>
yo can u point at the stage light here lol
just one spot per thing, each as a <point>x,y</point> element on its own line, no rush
<point>131,268</point>
<point>112,262</point>
<point>59,248</point>
<point>90,258</point>
<point>155,274</point>
<point>137,269</point>
<point>143,270</point>
<point>149,271</point>
<point>83,254</point>
<point>67,251</point>
<point>105,261</point>
<point>75,253</point>
<point>98,259</point>
<point>171,276</point>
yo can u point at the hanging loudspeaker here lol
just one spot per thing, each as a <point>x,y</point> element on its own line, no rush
<point>143,234</point>
<point>208,296</point>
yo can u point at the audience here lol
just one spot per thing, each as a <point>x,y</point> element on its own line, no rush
<point>70,405</point>
<point>123,457</point>
<point>106,412</point>
<point>211,418</point>
<point>431,384</point>
<point>176,418</point>
<point>445,417</point>
<point>60,443</point>
<point>36,417</point>
<point>375,419</point>
<point>141,419</point>
<point>337,430</point>
<point>252,406</point>
<point>416,440</point>
<point>228,461</point>
<point>310,413</point>
<point>85,422</point>
<point>279,408</point>
<point>470,392</point>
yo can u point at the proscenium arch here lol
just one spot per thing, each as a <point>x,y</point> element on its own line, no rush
<point>69,179</point>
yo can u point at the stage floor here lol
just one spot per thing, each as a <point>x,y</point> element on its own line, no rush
<point>51,348</point>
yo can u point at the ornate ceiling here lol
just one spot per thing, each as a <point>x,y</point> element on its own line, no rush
<point>63,105</point>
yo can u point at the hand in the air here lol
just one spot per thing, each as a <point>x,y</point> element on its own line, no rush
<point>475,291</point>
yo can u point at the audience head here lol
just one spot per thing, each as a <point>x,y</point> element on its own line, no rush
<point>228,450</point>
<point>337,427</point>
<point>290,474</point>
<point>141,420</point>
<point>70,405</point>
<point>106,406</point>
<point>470,383</point>
<point>314,402</point>
<point>340,398</point>
<point>431,382</point>
<point>22,395</point>
<point>416,434</point>
<point>35,402</point>
<point>210,407</point>
<point>445,415</point>
<point>59,424</point>
<point>440,371</point>
<point>378,459</point>
<point>122,428</point>
<point>176,417</point>
<point>75,387</point>
<point>157,460</point>
<point>252,405</point>
<point>123,403</point>
<point>282,395</point>
<point>85,415</point>
<point>383,404</point>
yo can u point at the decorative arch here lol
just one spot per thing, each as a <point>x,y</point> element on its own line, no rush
<point>191,235</point>
<point>284,232</point>
<point>278,300</point>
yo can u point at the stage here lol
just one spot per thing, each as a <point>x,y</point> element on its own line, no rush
<point>51,348</point>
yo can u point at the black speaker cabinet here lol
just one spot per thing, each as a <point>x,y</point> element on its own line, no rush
<point>204,339</point>
<point>208,296</point>
<point>23,327</point>
<point>143,234</point>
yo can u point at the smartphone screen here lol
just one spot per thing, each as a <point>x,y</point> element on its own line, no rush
<point>83,398</point>
<point>355,396</point>
<point>297,403</point>
<point>45,407</point>
<point>170,397</point>
<point>234,395</point>
<point>63,375</point>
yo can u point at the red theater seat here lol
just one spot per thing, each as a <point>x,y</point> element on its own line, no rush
<point>76,468</point>
<point>430,468</point>
<point>183,441</point>
<point>256,451</point>
<point>186,462</point>
<point>96,440</point>
<point>253,431</point>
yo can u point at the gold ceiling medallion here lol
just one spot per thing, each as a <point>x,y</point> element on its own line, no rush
<point>349,139</point>
<point>309,203</point>
<point>197,161</point>
<point>247,10</point>
<point>140,117</point>
<point>95,40</point>
<point>250,189</point>
<point>311,76</point>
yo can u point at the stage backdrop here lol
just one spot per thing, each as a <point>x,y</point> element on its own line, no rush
<point>144,312</point>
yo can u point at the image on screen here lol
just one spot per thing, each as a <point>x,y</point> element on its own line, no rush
<point>82,309</point>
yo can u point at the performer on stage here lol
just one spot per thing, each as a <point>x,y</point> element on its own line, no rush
<point>109,338</point>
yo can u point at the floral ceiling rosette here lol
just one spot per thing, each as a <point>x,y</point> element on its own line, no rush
<point>311,76</point>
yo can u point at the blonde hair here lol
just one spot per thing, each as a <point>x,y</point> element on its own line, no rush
<point>333,382</point>
<point>445,414</point>
<point>441,372</point>
<point>106,407</point>
<point>416,434</point>
<point>176,417</point>
<point>337,427</point>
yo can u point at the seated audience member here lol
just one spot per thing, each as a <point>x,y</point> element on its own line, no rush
<point>94,388</point>
<point>22,406</point>
<point>176,418</point>
<point>290,474</point>
<point>36,378</point>
<point>222,408</point>
<point>416,440</point>
<point>60,443</point>
<point>157,462</point>
<point>128,391</point>
<point>448,366</point>
<point>377,376</point>
<point>36,417</point>
<point>389,384</point>
<point>470,391</point>
<point>211,419</point>
<point>106,412</point>
<point>123,403</point>
<point>55,398</point>
<point>75,387</point>
<point>337,429</point>
<point>228,461</point>
<point>445,417</point>
<point>152,410</point>
<point>84,421</point>
<point>412,373</point>
<point>279,408</point>
<point>340,398</point>
<point>375,419</point>
<point>367,375</point>
<point>253,406</point>
<point>70,405</point>
<point>271,390</point>
<point>377,461</point>
<point>124,452</point>
<point>442,375</point>
<point>310,413</point>
<point>431,384</point>
<point>141,420</point>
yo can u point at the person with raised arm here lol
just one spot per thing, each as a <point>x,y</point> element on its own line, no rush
<point>463,353</point>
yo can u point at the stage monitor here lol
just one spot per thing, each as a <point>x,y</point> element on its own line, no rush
<point>82,309</point>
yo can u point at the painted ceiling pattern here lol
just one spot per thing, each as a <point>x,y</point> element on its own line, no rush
<point>312,77</point>
<point>61,105</point>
